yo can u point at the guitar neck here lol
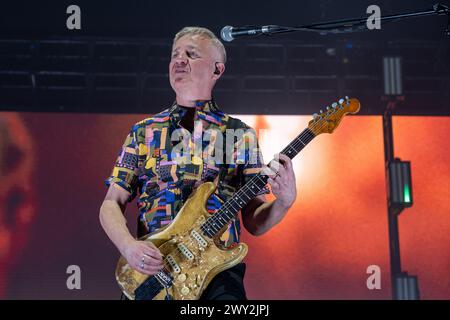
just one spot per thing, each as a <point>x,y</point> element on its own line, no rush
<point>239,200</point>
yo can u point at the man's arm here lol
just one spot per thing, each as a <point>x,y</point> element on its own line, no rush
<point>259,215</point>
<point>112,218</point>
<point>115,225</point>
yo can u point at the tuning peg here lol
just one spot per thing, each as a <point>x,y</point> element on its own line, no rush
<point>334,105</point>
<point>328,108</point>
<point>315,115</point>
<point>347,98</point>
<point>321,111</point>
<point>341,101</point>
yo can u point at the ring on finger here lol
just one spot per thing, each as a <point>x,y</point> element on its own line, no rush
<point>142,265</point>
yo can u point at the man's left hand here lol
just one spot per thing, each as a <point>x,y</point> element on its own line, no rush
<point>282,180</point>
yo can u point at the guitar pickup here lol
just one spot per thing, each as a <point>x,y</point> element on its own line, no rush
<point>202,242</point>
<point>185,251</point>
<point>173,264</point>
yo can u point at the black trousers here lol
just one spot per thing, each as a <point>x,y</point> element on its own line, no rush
<point>227,285</point>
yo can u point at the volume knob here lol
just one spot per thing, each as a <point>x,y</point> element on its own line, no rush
<point>181,277</point>
<point>184,290</point>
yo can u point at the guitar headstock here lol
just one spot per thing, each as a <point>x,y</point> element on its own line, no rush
<point>326,122</point>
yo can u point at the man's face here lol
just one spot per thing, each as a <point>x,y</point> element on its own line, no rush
<point>192,67</point>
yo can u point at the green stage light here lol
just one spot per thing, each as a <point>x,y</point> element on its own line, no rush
<point>400,185</point>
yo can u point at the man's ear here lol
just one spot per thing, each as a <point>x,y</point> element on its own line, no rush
<point>219,70</point>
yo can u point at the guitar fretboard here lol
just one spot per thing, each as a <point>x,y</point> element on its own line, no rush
<point>239,200</point>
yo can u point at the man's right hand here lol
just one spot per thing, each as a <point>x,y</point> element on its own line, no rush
<point>143,256</point>
<point>115,225</point>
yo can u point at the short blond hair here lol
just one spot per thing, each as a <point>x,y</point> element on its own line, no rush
<point>206,33</point>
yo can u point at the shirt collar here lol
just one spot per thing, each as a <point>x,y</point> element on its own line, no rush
<point>207,110</point>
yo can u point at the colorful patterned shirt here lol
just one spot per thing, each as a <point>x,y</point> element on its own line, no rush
<point>164,163</point>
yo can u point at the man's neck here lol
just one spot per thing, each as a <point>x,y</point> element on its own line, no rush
<point>189,102</point>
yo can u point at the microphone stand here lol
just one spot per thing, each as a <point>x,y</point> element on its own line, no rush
<point>359,24</point>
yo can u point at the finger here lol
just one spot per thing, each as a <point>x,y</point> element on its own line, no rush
<point>140,258</point>
<point>153,269</point>
<point>152,256</point>
<point>140,266</point>
<point>153,262</point>
<point>147,272</point>
<point>273,184</point>
<point>144,255</point>
<point>281,171</point>
<point>275,165</point>
<point>151,251</point>
<point>286,161</point>
<point>268,171</point>
<point>150,244</point>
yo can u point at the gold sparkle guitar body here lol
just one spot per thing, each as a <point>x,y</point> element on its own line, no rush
<point>203,259</point>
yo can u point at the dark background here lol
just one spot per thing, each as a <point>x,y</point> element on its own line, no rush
<point>162,19</point>
<point>117,62</point>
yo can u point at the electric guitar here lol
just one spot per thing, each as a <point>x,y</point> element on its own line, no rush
<point>190,244</point>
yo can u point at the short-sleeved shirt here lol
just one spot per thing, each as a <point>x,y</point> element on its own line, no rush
<point>164,163</point>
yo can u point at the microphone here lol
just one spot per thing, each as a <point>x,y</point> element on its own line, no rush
<point>229,33</point>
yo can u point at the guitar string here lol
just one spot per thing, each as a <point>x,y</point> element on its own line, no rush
<point>296,144</point>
